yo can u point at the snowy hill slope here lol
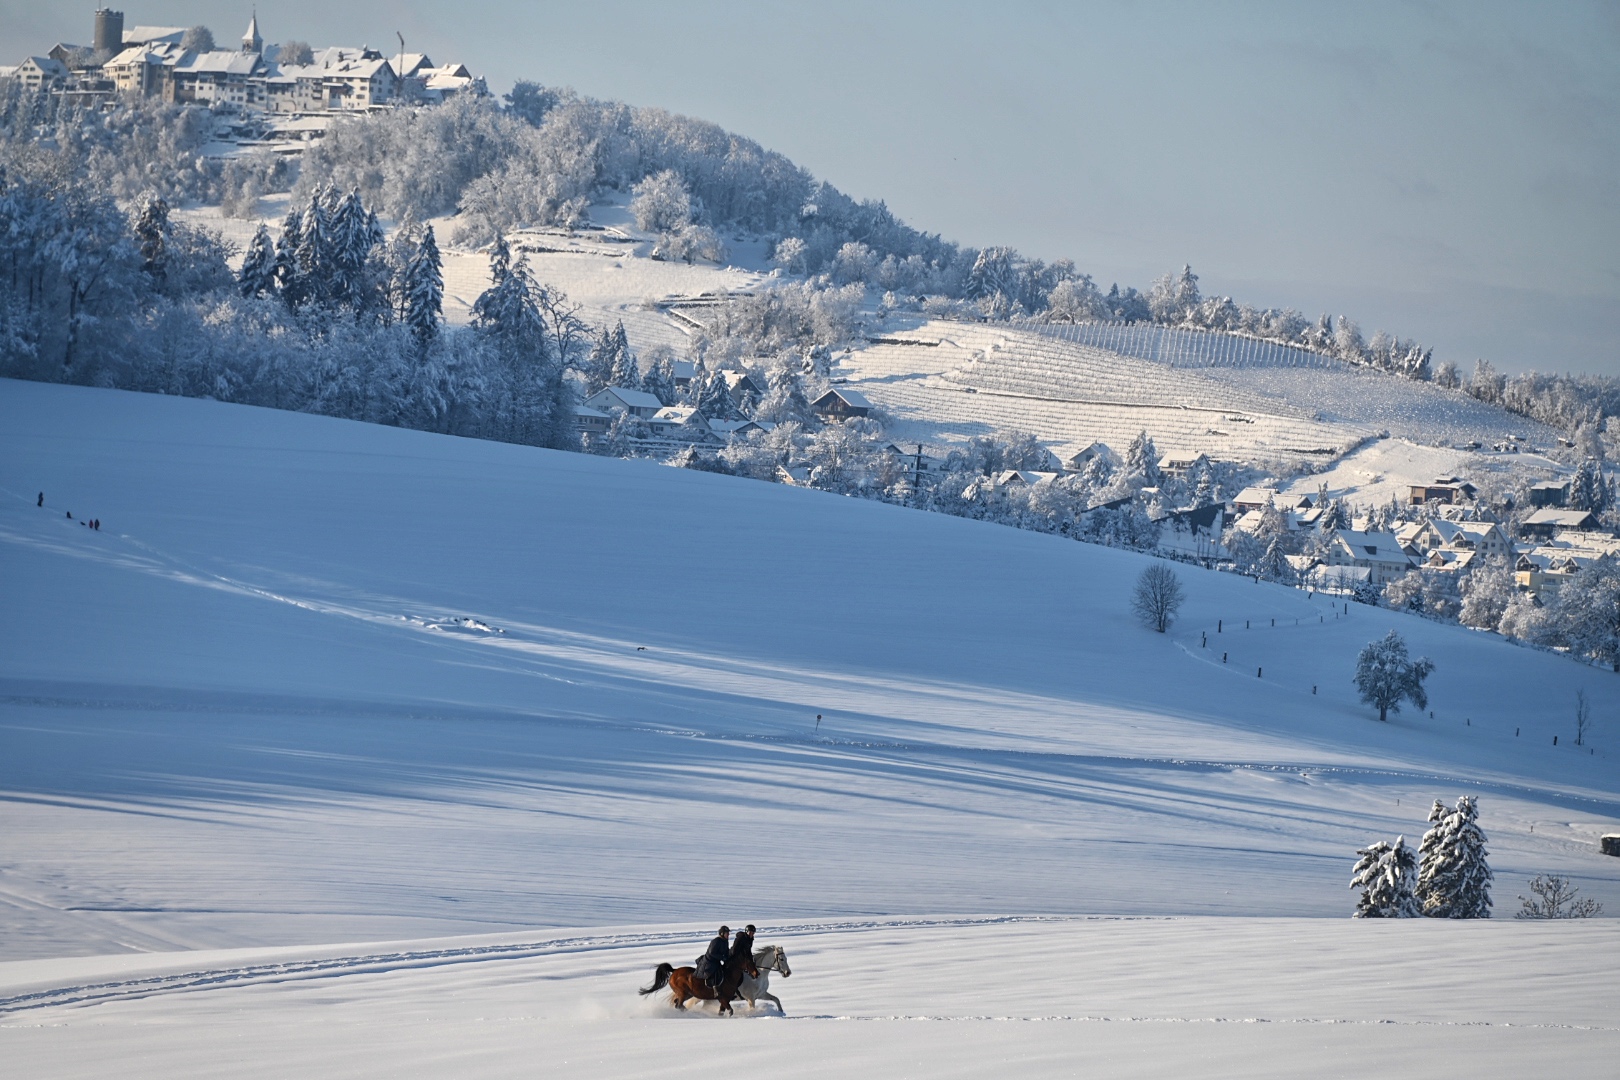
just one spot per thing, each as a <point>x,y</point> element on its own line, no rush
<point>349,629</point>
<point>318,681</point>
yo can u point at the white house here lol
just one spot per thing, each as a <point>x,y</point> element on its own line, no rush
<point>618,399</point>
<point>679,421</point>
<point>1379,554</point>
<point>1024,477</point>
<point>41,73</point>
<point>1077,461</point>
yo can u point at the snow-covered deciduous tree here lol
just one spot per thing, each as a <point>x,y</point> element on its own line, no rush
<point>197,39</point>
<point>1586,615</point>
<point>1556,897</point>
<point>1386,676</point>
<point>1454,878</point>
<point>1157,598</point>
<point>424,290</point>
<point>1486,594</point>
<point>789,255</point>
<point>662,204</point>
<point>1386,874</point>
<point>1174,297</point>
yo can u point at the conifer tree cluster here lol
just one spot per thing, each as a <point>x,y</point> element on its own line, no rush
<point>325,256</point>
<point>1448,878</point>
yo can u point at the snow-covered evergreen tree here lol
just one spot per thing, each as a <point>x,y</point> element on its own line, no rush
<point>354,235</point>
<point>1454,879</point>
<point>624,371</point>
<point>1273,564</point>
<point>1142,460</point>
<point>604,359</point>
<point>258,274</point>
<point>314,251</point>
<point>659,380</point>
<point>1386,676</point>
<point>152,233</point>
<point>424,290</point>
<point>1387,877</point>
<point>288,282</point>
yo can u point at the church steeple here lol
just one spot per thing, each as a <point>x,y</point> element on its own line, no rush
<point>252,43</point>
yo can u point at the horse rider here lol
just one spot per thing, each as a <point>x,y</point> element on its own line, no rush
<point>743,944</point>
<point>711,966</point>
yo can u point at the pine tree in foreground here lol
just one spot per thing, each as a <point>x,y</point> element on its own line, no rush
<point>1387,877</point>
<point>1454,879</point>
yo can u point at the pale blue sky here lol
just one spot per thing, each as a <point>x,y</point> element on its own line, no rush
<point>1445,171</point>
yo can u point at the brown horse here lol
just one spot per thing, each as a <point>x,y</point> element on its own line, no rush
<point>683,982</point>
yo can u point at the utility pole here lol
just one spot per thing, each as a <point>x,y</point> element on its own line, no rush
<point>399,74</point>
<point>916,477</point>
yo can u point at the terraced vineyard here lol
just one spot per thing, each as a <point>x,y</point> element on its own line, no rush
<point>945,381</point>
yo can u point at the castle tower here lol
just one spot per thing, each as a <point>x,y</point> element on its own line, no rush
<point>252,43</point>
<point>109,31</point>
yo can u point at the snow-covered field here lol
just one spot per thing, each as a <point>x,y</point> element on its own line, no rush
<point>317,682</point>
<point>925,997</point>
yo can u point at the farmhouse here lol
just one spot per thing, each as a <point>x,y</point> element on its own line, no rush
<point>1445,489</point>
<point>841,403</point>
<point>1256,498</point>
<point>1553,493</point>
<point>1544,523</point>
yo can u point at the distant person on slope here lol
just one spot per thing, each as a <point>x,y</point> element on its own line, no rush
<point>711,966</point>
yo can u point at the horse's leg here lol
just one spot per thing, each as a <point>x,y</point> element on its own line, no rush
<point>774,998</point>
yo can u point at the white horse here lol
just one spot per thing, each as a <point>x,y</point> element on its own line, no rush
<point>770,958</point>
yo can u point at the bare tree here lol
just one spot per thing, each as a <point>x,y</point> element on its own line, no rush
<point>1158,597</point>
<point>1555,899</point>
<point>1583,717</point>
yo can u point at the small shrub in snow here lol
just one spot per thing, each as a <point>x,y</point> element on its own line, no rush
<point>1385,676</point>
<point>1387,878</point>
<point>1454,879</point>
<point>1157,598</point>
<point>1555,899</point>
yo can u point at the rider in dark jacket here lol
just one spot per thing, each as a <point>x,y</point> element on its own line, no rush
<point>711,966</point>
<point>743,945</point>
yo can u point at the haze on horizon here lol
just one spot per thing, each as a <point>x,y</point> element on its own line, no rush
<point>1448,172</point>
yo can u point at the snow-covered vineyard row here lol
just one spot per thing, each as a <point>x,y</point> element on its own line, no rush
<point>1188,348</point>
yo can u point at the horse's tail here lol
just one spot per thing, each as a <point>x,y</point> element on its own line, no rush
<point>660,979</point>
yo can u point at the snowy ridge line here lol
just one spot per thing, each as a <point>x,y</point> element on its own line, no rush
<point>373,963</point>
<point>1201,1020</point>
